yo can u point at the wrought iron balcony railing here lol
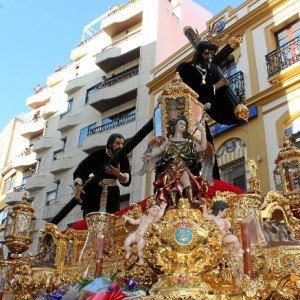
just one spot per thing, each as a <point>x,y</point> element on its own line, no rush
<point>19,188</point>
<point>236,81</point>
<point>283,57</point>
<point>121,41</point>
<point>112,125</point>
<point>121,7</point>
<point>118,78</point>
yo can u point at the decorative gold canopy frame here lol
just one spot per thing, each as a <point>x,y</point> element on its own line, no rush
<point>177,99</point>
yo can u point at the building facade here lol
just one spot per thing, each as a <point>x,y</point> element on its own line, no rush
<point>264,70</point>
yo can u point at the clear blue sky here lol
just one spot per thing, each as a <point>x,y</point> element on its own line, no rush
<point>37,35</point>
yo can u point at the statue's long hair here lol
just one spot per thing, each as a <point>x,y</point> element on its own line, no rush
<point>172,124</point>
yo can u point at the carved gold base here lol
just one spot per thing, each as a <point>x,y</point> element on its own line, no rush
<point>181,286</point>
<point>185,294</point>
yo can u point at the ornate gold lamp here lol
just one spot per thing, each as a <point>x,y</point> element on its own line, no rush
<point>287,175</point>
<point>287,171</point>
<point>98,241</point>
<point>177,99</point>
<point>20,227</point>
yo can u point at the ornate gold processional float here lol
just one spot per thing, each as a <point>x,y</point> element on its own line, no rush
<point>184,255</point>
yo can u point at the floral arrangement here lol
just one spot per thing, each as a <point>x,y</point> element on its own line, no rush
<point>100,288</point>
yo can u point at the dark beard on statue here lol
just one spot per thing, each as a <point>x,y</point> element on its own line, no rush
<point>115,151</point>
<point>205,64</point>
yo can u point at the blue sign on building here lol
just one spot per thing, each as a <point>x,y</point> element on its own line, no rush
<point>217,129</point>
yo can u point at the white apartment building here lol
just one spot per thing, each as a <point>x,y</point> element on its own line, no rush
<point>102,90</point>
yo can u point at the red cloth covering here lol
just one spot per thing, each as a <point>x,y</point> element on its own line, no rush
<point>219,185</point>
<point>222,186</point>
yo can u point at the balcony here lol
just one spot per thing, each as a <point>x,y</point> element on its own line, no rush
<point>119,53</point>
<point>54,206</point>
<point>40,98</point>
<point>124,125</point>
<point>283,57</point>
<point>67,121</point>
<point>61,162</point>
<point>124,89</point>
<point>49,110</point>
<point>42,144</point>
<point>58,75</point>
<point>33,129</point>
<point>237,83</point>
<point>75,85</point>
<point>24,161</point>
<point>36,182</point>
<point>16,195</point>
<point>123,17</point>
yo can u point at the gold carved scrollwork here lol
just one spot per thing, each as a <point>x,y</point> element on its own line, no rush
<point>177,99</point>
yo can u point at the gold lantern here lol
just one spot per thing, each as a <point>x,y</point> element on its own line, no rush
<point>287,175</point>
<point>20,227</point>
<point>287,171</point>
<point>177,99</point>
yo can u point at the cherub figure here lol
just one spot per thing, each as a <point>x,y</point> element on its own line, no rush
<point>156,212</point>
<point>218,215</point>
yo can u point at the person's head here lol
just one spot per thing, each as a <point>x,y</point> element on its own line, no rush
<point>219,207</point>
<point>205,52</point>
<point>154,209</point>
<point>115,142</point>
<point>178,125</point>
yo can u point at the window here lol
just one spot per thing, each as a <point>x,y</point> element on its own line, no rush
<point>64,141</point>
<point>3,214</point>
<point>235,173</point>
<point>70,105</point>
<point>9,184</point>
<point>84,132</point>
<point>286,39</point>
<point>90,91</point>
<point>288,33</point>
<point>76,70</point>
<point>24,180</point>
<point>293,130</point>
<point>52,195</point>
<point>228,68</point>
<point>37,166</point>
<point>123,114</point>
<point>57,154</point>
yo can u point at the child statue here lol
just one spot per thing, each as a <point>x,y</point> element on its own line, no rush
<point>218,217</point>
<point>156,212</point>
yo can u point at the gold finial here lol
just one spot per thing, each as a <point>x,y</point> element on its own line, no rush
<point>252,167</point>
<point>220,196</point>
<point>287,142</point>
<point>253,182</point>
